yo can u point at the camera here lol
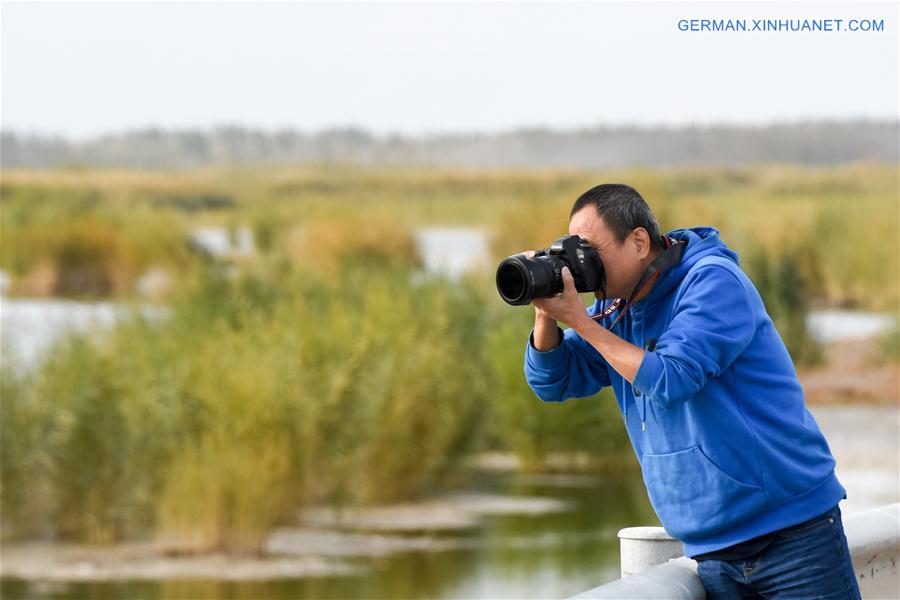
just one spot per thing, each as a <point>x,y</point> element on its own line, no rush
<point>521,279</point>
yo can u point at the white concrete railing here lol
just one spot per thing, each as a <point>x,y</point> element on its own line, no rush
<point>653,565</point>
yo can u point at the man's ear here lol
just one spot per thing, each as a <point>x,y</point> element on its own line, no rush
<point>641,240</point>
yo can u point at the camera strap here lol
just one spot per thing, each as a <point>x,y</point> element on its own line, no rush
<point>670,257</point>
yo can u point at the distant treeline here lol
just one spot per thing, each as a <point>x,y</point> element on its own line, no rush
<point>819,142</point>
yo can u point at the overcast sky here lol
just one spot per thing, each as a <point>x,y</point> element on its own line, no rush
<point>83,69</point>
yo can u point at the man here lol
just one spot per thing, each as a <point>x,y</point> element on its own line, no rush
<point>735,466</point>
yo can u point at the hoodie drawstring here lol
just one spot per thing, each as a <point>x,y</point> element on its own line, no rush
<point>644,417</point>
<point>642,412</point>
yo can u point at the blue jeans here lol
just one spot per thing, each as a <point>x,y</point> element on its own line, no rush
<point>812,561</point>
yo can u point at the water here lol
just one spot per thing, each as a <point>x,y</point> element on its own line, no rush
<point>538,553</point>
<point>452,251</point>
<point>30,326</point>
<point>223,243</point>
<point>835,325</point>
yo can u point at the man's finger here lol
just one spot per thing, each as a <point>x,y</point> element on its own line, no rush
<point>568,280</point>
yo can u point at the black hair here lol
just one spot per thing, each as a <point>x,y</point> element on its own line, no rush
<point>622,209</point>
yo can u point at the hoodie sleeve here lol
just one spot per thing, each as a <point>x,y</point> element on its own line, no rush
<point>574,369</point>
<point>713,322</point>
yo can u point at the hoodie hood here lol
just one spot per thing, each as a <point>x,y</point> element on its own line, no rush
<point>701,242</point>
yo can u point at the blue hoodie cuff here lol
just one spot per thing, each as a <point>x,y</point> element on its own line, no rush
<point>648,372</point>
<point>549,359</point>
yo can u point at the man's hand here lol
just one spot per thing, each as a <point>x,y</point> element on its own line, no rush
<point>622,356</point>
<point>546,336</point>
<point>566,307</point>
<point>547,311</point>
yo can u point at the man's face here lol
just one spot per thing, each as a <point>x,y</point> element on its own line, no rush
<point>624,262</point>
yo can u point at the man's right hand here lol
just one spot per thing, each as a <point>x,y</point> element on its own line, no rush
<point>546,334</point>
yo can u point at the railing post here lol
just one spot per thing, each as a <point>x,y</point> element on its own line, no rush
<point>650,569</point>
<point>645,547</point>
<point>874,540</point>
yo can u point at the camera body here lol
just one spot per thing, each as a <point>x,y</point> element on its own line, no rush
<point>521,279</point>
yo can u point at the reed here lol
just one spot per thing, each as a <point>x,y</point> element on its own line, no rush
<point>328,368</point>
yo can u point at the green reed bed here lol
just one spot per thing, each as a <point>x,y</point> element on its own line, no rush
<point>328,368</point>
<point>267,391</point>
<point>845,217</point>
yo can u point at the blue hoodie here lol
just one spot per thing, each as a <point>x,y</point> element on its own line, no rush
<point>716,416</point>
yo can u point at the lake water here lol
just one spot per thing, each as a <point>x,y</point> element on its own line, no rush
<point>835,325</point>
<point>28,326</point>
<point>453,251</point>
<point>562,544</point>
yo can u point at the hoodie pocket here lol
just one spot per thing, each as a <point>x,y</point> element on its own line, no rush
<point>694,498</point>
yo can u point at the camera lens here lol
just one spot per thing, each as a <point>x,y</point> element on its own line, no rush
<point>512,281</point>
<point>520,279</point>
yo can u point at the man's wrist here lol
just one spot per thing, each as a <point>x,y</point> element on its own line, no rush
<point>554,332</point>
<point>544,334</point>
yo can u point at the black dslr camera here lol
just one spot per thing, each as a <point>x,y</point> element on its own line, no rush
<point>521,279</point>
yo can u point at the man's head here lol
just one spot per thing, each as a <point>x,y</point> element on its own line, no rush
<point>617,222</point>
